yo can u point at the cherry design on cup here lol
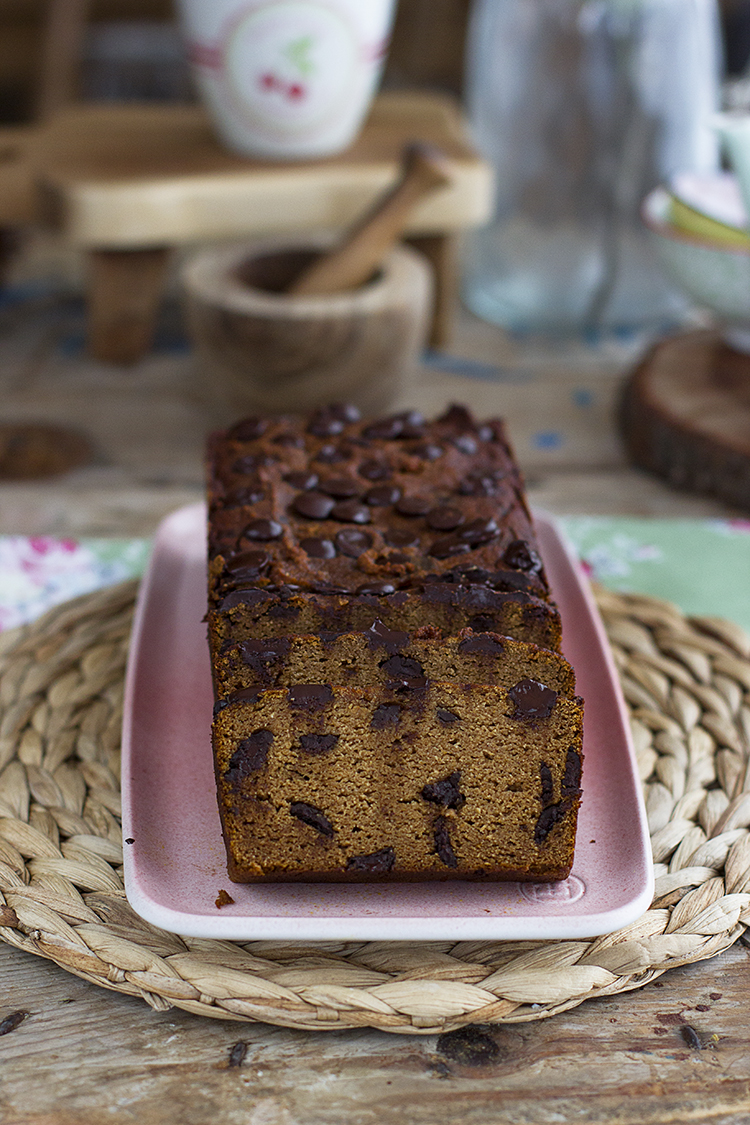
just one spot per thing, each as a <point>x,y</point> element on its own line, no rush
<point>293,91</point>
<point>297,55</point>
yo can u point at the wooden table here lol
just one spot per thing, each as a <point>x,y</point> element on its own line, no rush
<point>83,1055</point>
<point>127,184</point>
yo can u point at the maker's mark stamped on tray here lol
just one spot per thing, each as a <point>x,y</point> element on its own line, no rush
<point>567,891</point>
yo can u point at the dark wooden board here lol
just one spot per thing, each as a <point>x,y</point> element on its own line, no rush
<point>685,414</point>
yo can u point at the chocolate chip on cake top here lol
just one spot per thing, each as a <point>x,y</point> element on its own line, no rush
<point>349,501</point>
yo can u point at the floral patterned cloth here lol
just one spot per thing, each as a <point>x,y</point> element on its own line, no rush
<point>37,572</point>
<point>701,565</point>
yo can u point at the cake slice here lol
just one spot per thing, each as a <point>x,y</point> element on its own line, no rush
<point>387,658</point>
<point>451,781</point>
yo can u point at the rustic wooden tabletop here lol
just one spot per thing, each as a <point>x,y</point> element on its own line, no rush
<point>676,1050</point>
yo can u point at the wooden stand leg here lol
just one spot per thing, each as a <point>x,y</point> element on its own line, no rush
<point>442,252</point>
<point>10,240</point>
<point>124,292</point>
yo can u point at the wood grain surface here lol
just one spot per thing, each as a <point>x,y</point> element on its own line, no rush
<point>675,1051</point>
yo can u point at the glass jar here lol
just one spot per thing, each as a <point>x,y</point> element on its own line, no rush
<point>583,106</point>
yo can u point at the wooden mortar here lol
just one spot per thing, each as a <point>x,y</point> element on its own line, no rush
<point>266,350</point>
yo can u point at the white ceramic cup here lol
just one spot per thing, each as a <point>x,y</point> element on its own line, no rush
<point>287,79</point>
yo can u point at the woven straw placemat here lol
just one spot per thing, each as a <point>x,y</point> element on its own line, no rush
<point>687,683</point>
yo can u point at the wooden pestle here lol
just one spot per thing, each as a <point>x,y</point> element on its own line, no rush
<point>354,260</point>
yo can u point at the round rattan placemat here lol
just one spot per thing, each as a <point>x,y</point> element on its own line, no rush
<point>687,683</point>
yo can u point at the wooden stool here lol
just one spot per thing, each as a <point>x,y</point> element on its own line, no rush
<point>128,183</point>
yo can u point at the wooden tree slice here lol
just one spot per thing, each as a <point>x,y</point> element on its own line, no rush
<point>685,414</point>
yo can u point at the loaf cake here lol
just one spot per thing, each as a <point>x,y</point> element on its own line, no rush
<point>386,574</point>
<point>464,781</point>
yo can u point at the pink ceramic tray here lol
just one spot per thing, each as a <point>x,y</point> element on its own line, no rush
<point>175,864</point>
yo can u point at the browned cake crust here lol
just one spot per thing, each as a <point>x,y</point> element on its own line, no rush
<point>321,783</point>
<point>329,522</point>
<point>391,701</point>
<point>387,658</point>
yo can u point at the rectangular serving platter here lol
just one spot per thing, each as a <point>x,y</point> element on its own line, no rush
<point>175,864</point>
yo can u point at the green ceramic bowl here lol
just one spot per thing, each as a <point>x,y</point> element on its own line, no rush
<point>712,273</point>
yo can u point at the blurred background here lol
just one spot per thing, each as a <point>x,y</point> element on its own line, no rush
<point>132,50</point>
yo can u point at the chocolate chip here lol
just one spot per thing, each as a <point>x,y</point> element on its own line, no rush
<point>248,429</point>
<point>482,623</point>
<point>251,755</point>
<point>352,542</point>
<point>244,695</point>
<point>244,497</point>
<point>383,495</point>
<point>340,487</point>
<point>377,863</point>
<point>548,789</point>
<point>413,506</point>
<point>262,530</point>
<point>261,655</point>
<point>351,511</point>
<point>375,470</point>
<point>448,545</point>
<point>247,566</point>
<point>446,717</point>
<point>379,589</point>
<point>443,847</point>
<point>548,818</point>
<point>318,743</point>
<point>532,700</point>
<point>571,781</point>
<point>481,645</point>
<point>396,558</point>
<point>247,465</point>
<point>521,556</point>
<point>404,673</point>
<point>303,480</point>
<point>310,697</point>
<point>345,410</point>
<point>428,451</point>
<point>509,580</point>
<point>325,423</point>
<point>384,429</point>
<point>318,548</point>
<point>445,792</point>
<point>290,441</point>
<point>330,454</point>
<point>479,531</point>
<point>395,537</point>
<point>466,444</point>
<point>444,519</point>
<point>458,418</point>
<point>380,636</point>
<point>481,482</point>
<point>386,715</point>
<point>313,505</point>
<point>308,814</point>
